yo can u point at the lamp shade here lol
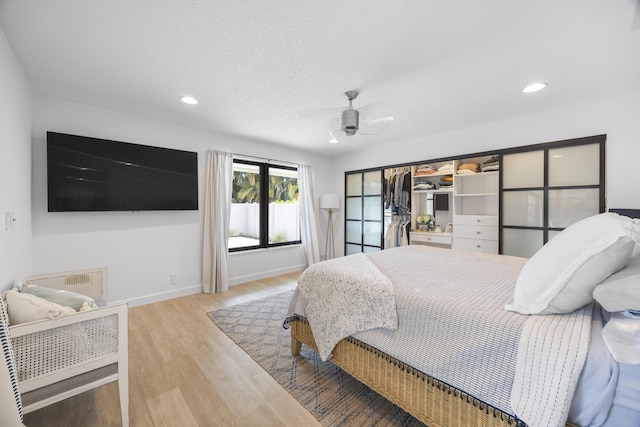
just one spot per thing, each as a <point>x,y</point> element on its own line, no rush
<point>329,201</point>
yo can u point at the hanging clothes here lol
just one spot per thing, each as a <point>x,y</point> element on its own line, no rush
<point>397,194</point>
<point>398,233</point>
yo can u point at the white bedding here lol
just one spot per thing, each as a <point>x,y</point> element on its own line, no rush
<point>472,343</point>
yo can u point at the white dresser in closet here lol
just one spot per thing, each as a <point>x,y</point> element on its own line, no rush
<point>477,233</point>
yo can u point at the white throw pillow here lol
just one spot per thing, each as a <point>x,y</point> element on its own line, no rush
<point>621,291</point>
<point>561,276</point>
<point>74,300</point>
<point>23,308</point>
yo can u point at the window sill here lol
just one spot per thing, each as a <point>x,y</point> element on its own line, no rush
<point>272,248</point>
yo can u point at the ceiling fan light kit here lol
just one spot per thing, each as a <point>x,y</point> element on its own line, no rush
<point>350,117</point>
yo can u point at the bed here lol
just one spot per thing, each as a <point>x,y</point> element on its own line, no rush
<point>453,355</point>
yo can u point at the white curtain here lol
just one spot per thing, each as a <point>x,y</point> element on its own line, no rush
<point>308,228</point>
<point>217,207</point>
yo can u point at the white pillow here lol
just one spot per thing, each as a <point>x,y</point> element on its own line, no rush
<point>621,291</point>
<point>74,300</point>
<point>23,308</point>
<point>561,276</point>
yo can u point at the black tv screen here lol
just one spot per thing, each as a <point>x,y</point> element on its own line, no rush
<point>91,174</point>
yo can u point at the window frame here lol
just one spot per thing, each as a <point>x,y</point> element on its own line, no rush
<point>264,206</point>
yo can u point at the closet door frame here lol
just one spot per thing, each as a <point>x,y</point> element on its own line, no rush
<point>362,196</point>
<point>546,188</point>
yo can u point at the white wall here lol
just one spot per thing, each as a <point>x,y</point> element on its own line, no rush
<point>15,167</point>
<point>143,249</point>
<point>617,118</point>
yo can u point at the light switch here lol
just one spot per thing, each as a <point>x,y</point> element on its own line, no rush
<point>9,219</point>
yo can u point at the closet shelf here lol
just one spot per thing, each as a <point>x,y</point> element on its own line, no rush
<point>434,174</point>
<point>465,175</point>
<point>474,194</point>
<point>447,190</point>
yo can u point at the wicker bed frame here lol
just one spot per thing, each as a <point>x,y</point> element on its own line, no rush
<point>427,399</point>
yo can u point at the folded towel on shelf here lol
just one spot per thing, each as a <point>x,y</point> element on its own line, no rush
<point>492,164</point>
<point>423,186</point>
<point>424,170</point>
<point>445,168</point>
<point>473,167</point>
<point>490,168</point>
<point>465,172</point>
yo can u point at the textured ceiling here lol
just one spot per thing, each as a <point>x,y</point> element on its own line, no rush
<point>257,67</point>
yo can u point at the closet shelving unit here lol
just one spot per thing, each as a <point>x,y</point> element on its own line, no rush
<point>476,208</point>
<point>422,203</point>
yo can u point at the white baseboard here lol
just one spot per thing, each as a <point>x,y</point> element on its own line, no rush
<point>160,296</point>
<point>264,274</point>
<point>196,289</point>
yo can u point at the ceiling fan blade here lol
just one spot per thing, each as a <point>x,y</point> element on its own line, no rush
<point>375,118</point>
<point>315,112</point>
<point>335,127</point>
<point>336,136</point>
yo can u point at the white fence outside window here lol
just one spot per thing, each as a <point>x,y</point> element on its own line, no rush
<point>244,226</point>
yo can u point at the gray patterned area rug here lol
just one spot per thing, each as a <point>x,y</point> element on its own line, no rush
<point>330,394</point>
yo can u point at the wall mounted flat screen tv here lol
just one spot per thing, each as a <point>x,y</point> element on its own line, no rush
<point>91,174</point>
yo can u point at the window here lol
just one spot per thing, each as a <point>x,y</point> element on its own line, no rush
<point>264,206</point>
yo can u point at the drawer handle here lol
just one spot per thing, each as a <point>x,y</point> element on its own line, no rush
<point>428,238</point>
<point>477,220</point>
<point>478,246</point>
<point>478,232</point>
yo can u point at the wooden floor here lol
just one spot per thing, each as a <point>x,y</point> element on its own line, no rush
<point>184,371</point>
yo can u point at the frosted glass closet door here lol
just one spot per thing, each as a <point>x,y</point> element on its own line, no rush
<point>568,167</point>
<point>547,190</point>
<point>523,203</point>
<point>364,214</point>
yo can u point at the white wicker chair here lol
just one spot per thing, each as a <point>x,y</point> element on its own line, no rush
<point>59,358</point>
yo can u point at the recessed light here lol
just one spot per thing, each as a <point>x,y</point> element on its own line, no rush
<point>534,87</point>
<point>188,100</point>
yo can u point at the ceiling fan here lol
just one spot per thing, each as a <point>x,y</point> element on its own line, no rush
<point>367,120</point>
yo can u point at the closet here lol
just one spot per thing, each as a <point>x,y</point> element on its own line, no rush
<point>508,201</point>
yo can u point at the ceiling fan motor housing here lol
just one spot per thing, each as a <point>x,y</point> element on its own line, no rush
<point>350,119</point>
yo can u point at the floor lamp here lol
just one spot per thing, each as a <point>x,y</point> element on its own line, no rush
<point>330,202</point>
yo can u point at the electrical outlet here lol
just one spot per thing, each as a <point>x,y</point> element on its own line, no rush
<point>174,279</point>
